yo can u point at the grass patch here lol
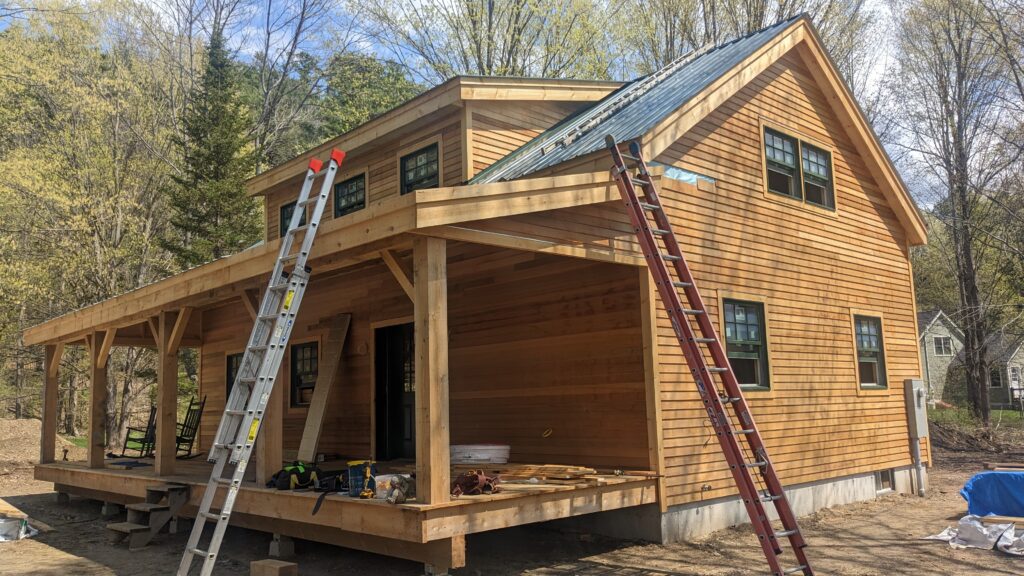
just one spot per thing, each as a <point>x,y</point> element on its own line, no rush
<point>80,441</point>
<point>963,417</point>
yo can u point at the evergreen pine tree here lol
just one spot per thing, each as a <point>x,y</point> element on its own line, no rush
<point>211,215</point>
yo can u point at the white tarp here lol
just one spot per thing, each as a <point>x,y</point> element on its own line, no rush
<point>1012,542</point>
<point>971,532</point>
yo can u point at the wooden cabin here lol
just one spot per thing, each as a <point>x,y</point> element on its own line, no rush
<point>477,281</point>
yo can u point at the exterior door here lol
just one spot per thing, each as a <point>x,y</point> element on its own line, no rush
<point>395,392</point>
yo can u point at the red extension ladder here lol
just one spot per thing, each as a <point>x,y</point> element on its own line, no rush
<point>755,489</point>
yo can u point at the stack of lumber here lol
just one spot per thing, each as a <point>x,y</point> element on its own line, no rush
<point>547,474</point>
<point>1005,466</point>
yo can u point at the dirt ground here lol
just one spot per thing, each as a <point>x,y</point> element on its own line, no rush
<point>882,537</point>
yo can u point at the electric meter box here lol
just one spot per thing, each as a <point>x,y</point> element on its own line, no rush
<point>917,412</point>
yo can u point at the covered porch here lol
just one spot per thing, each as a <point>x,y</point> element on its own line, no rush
<point>545,352</point>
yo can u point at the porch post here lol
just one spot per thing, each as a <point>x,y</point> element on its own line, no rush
<point>430,273</point>
<point>97,397</point>
<point>166,396</point>
<point>48,443</point>
<point>269,443</point>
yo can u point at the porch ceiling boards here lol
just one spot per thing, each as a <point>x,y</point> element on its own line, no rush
<point>343,242</point>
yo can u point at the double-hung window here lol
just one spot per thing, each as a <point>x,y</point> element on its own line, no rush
<point>419,169</point>
<point>995,378</point>
<point>943,346</point>
<point>350,195</point>
<point>798,170</point>
<point>287,210</point>
<point>870,352</point>
<point>746,343</point>
<point>304,368</point>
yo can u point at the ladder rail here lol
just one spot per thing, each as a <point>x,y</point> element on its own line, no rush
<point>243,414</point>
<point>715,404</point>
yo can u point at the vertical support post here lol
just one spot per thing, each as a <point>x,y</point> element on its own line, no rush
<point>269,444</point>
<point>166,396</point>
<point>433,474</point>
<point>97,399</point>
<point>652,380</point>
<point>48,443</point>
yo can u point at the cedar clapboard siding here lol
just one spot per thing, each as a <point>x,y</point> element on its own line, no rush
<point>537,343</point>
<point>498,128</point>
<point>380,162</point>
<point>812,268</point>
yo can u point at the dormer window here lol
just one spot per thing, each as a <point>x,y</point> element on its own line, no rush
<point>420,169</point>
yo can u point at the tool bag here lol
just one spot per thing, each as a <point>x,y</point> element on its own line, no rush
<point>295,475</point>
<point>328,483</point>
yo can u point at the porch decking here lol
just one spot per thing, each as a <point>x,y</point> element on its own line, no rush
<point>430,533</point>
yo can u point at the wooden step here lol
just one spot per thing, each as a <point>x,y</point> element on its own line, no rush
<point>166,488</point>
<point>127,527</point>
<point>147,507</point>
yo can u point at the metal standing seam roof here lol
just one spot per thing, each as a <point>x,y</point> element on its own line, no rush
<point>629,112</point>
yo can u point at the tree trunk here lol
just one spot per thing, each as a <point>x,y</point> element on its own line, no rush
<point>71,407</point>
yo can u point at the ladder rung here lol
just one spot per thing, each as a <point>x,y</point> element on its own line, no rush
<point>235,412</point>
<point>704,340</point>
<point>671,257</point>
<point>796,570</point>
<point>279,287</point>
<point>679,284</point>
<point>649,207</point>
<point>717,369</point>
<point>785,533</point>
<point>692,311</point>
<point>298,229</point>
<point>259,347</point>
<point>265,317</point>
<point>758,464</point>
<point>638,182</point>
<point>308,201</point>
<point>225,481</point>
<point>745,431</point>
<point>729,400</point>
<point>222,445</point>
<point>247,379</point>
<point>660,232</point>
<point>213,516</point>
<point>771,497</point>
<point>629,157</point>
<point>198,552</point>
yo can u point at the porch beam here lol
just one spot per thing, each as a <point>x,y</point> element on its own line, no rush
<point>166,392</point>
<point>48,442</point>
<point>433,474</point>
<point>97,400</point>
<point>326,373</point>
<point>399,272</point>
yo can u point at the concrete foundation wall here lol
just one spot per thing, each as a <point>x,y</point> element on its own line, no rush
<point>693,521</point>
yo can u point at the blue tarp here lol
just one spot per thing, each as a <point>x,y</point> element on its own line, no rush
<point>998,493</point>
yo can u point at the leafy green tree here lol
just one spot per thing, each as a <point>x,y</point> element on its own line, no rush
<point>359,88</point>
<point>211,213</point>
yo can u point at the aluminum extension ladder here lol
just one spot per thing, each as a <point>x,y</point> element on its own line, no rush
<point>243,413</point>
<point>754,490</point>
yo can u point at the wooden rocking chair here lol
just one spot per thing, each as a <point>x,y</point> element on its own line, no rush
<point>143,439</point>
<point>188,429</point>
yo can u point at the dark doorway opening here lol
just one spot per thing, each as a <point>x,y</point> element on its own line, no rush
<point>395,377</point>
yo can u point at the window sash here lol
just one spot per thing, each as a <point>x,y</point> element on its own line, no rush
<point>350,196</point>
<point>943,345</point>
<point>420,169</point>
<point>745,337</point>
<point>870,350</point>
<point>814,168</point>
<point>303,371</point>
<point>233,365</point>
<point>287,210</point>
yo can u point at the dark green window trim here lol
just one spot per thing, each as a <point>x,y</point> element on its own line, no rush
<point>286,218</point>
<point>780,153</point>
<point>870,352</point>
<point>421,169</point>
<point>746,343</point>
<point>817,171</point>
<point>350,196</point>
<point>304,366</point>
